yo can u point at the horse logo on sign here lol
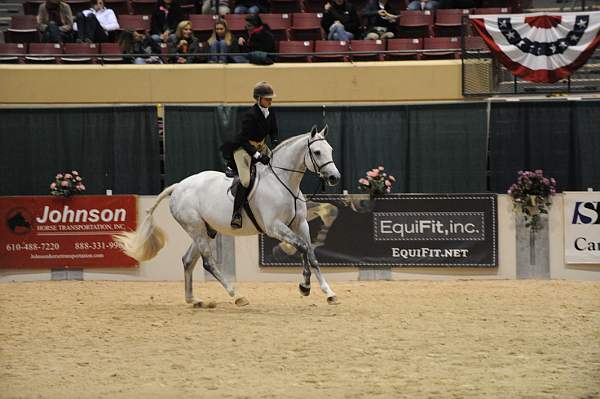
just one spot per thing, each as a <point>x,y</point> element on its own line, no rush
<point>19,221</point>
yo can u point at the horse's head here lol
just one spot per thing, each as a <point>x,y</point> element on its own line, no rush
<point>319,157</point>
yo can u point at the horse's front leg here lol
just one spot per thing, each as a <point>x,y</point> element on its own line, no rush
<point>283,233</point>
<point>304,233</point>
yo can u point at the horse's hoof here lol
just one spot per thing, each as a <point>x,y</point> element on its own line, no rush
<point>305,291</point>
<point>189,300</point>
<point>241,301</point>
<point>205,305</point>
<point>332,300</point>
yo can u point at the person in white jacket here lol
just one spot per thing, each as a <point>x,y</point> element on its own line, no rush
<point>95,24</point>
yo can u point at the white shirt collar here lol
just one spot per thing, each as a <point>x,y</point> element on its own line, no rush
<point>265,111</point>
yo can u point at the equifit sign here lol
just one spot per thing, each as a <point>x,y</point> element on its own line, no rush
<point>582,227</point>
<point>396,230</point>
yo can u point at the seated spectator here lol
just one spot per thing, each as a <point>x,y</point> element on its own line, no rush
<point>222,41</point>
<point>381,22</point>
<point>167,15</point>
<point>184,42</point>
<point>416,5</point>
<point>251,7</point>
<point>95,24</point>
<point>138,48</point>
<point>340,20</point>
<point>210,7</point>
<point>55,21</point>
<point>258,42</point>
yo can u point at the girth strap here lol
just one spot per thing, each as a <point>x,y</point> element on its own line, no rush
<point>251,216</point>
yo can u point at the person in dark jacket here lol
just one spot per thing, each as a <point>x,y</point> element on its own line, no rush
<point>250,143</point>
<point>340,20</point>
<point>183,44</point>
<point>165,18</point>
<point>258,41</point>
<point>381,20</point>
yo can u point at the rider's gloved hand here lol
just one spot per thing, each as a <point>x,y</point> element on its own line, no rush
<point>264,159</point>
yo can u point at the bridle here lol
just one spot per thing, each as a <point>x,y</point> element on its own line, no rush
<point>317,170</point>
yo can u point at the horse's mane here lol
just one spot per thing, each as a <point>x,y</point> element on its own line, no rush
<point>288,142</point>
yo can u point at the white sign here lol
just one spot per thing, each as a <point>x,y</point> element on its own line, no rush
<point>582,227</point>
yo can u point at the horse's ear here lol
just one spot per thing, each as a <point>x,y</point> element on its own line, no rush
<point>325,131</point>
<point>313,131</point>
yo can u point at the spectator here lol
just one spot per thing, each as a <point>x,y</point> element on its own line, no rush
<point>210,7</point>
<point>258,42</point>
<point>183,43</point>
<point>340,20</point>
<point>139,47</point>
<point>381,22</point>
<point>222,41</point>
<point>94,25</point>
<point>251,7</point>
<point>416,5</point>
<point>55,21</point>
<point>167,15</point>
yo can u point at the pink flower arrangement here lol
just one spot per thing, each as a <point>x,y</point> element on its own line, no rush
<point>65,184</point>
<point>531,196</point>
<point>377,182</point>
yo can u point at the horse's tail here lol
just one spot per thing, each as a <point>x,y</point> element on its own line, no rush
<point>144,243</point>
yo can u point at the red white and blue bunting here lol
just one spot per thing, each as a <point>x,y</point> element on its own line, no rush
<point>541,47</point>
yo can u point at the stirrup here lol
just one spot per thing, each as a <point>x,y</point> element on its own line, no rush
<point>236,221</point>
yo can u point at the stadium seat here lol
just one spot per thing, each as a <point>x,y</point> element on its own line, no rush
<point>288,48</point>
<point>410,48</point>
<point>13,49</point>
<point>202,25</point>
<point>279,24</point>
<point>22,29</point>
<point>143,7</point>
<point>30,7</point>
<point>134,22</point>
<point>306,26</point>
<point>237,23</point>
<point>78,6</point>
<point>448,23</point>
<point>286,6</point>
<point>44,53</point>
<point>323,46</point>
<point>491,10</point>
<point>315,6</point>
<point>367,45</point>
<point>80,53</point>
<point>449,47</point>
<point>120,7</point>
<point>111,53</point>
<point>415,24</point>
<point>476,45</point>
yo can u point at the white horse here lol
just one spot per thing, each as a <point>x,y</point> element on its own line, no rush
<point>203,205</point>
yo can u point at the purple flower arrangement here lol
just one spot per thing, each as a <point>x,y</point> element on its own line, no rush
<point>66,184</point>
<point>377,182</point>
<point>531,195</point>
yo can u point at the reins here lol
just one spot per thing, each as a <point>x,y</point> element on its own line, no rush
<point>318,173</point>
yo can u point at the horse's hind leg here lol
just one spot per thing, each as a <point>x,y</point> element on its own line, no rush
<point>208,261</point>
<point>189,262</point>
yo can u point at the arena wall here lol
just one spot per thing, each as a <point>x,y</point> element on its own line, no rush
<point>167,265</point>
<point>392,81</point>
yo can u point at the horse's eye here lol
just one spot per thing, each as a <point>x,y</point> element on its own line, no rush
<point>317,153</point>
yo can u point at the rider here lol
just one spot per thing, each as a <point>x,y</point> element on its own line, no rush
<point>258,122</point>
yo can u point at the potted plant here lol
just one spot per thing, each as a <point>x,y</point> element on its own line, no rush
<point>532,196</point>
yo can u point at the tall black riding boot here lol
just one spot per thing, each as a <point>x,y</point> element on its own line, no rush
<point>238,203</point>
